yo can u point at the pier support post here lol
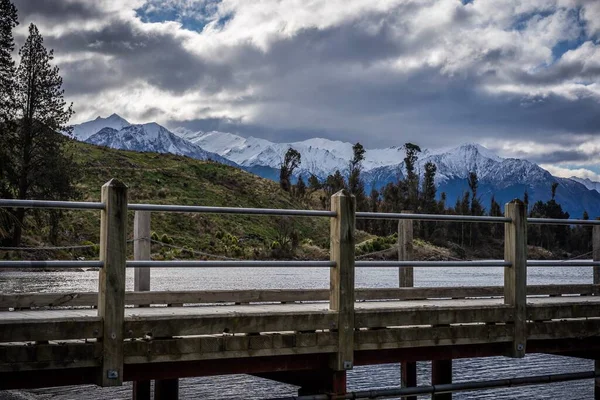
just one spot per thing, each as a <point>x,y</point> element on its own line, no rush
<point>441,373</point>
<point>408,370</point>
<point>166,389</point>
<point>341,297</point>
<point>141,279</point>
<point>515,276</point>
<point>596,257</point>
<point>111,287</point>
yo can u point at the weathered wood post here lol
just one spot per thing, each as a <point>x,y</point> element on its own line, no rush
<point>408,370</point>
<point>111,288</point>
<point>341,298</point>
<point>441,373</point>
<point>141,279</point>
<point>515,276</point>
<point>596,257</point>
<point>141,249</point>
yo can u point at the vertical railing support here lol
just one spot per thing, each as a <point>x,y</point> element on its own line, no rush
<point>596,257</point>
<point>141,249</point>
<point>515,276</point>
<point>405,251</point>
<point>141,280</point>
<point>341,298</point>
<point>111,288</point>
<point>408,370</point>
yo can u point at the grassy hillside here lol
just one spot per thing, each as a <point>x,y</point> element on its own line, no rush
<point>169,179</point>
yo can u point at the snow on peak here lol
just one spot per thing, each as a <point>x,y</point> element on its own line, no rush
<point>85,130</point>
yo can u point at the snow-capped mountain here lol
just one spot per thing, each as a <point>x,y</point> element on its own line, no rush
<point>502,178</point>
<point>83,131</point>
<point>150,137</point>
<point>588,183</point>
<point>320,157</point>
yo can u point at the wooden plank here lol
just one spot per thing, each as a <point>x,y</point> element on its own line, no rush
<point>141,249</point>
<point>184,325</point>
<point>374,318</point>
<point>342,276</point>
<point>515,276</point>
<point>222,347</point>
<point>570,329</point>
<point>89,299</point>
<point>49,356</point>
<point>26,330</point>
<point>410,337</point>
<point>582,309</point>
<point>111,289</point>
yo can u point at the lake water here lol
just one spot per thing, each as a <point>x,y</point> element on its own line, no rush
<point>247,387</point>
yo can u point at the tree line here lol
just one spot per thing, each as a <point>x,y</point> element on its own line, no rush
<point>35,157</point>
<point>418,194</point>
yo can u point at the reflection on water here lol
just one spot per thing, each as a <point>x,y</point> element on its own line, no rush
<point>247,387</point>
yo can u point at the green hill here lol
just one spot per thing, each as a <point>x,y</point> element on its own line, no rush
<point>169,179</point>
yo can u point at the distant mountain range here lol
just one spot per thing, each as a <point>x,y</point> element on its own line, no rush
<point>504,178</point>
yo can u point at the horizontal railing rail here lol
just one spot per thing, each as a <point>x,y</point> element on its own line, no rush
<point>230,210</point>
<point>82,205</point>
<point>230,264</point>
<point>51,264</point>
<point>431,217</point>
<point>58,264</point>
<point>416,264</point>
<point>69,205</point>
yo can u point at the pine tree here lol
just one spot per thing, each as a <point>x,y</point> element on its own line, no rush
<point>291,161</point>
<point>42,164</point>
<point>355,184</point>
<point>8,21</point>
<point>412,177</point>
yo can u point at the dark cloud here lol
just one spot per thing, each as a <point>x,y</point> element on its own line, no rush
<point>56,11</point>
<point>557,157</point>
<point>337,81</point>
<point>155,57</point>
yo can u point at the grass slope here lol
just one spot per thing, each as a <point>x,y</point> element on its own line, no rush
<point>169,179</point>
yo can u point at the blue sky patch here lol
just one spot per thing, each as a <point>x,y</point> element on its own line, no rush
<point>192,17</point>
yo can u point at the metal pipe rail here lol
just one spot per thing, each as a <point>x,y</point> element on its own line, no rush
<point>51,264</point>
<point>451,387</point>
<point>563,263</point>
<point>229,264</point>
<point>432,217</point>
<point>557,221</point>
<point>68,205</point>
<point>230,210</point>
<point>482,263</point>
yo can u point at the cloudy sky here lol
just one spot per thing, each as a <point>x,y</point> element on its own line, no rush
<point>519,76</point>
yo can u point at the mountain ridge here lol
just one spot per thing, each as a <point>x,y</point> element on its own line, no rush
<point>503,178</point>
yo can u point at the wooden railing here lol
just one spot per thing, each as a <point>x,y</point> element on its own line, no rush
<point>112,298</point>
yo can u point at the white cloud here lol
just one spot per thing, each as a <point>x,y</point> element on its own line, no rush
<point>568,172</point>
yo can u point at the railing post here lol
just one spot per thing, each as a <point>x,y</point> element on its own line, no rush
<point>141,249</point>
<point>341,298</point>
<point>596,257</point>
<point>111,288</point>
<point>405,251</point>
<point>141,280</point>
<point>408,370</point>
<point>515,276</point>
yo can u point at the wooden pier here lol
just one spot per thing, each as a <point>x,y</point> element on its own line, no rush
<point>308,338</point>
